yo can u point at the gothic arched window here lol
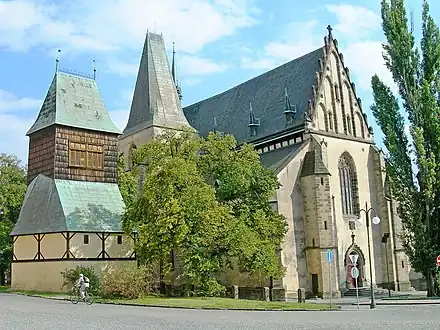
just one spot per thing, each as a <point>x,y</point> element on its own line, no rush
<point>348,182</point>
<point>330,121</point>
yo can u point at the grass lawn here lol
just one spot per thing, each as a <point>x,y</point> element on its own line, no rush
<point>220,303</point>
<point>194,303</point>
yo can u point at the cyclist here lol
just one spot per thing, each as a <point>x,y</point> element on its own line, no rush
<point>83,283</point>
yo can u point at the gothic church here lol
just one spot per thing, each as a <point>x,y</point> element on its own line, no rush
<point>308,126</point>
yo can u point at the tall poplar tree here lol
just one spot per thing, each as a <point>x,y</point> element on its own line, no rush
<point>413,162</point>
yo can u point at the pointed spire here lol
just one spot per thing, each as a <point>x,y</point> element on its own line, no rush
<point>174,73</point>
<point>254,122</point>
<point>289,109</point>
<point>57,61</point>
<point>155,98</point>
<point>173,64</point>
<point>94,69</point>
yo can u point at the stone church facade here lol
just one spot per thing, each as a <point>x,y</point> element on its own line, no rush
<point>307,123</point>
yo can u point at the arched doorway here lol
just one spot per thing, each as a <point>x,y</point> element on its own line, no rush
<point>351,282</point>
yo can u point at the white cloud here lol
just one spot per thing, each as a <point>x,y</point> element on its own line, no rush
<point>354,21</point>
<point>261,64</point>
<point>110,25</point>
<point>11,102</point>
<point>12,135</point>
<point>364,59</point>
<point>194,66</point>
<point>121,68</point>
<point>288,46</point>
<point>120,117</point>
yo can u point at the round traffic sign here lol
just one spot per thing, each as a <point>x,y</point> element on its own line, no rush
<point>354,272</point>
<point>438,261</point>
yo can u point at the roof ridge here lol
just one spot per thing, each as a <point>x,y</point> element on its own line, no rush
<point>258,76</point>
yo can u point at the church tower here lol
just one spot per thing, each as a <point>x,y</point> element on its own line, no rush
<point>156,102</point>
<point>72,212</point>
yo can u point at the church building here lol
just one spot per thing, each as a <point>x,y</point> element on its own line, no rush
<point>308,125</point>
<point>72,212</point>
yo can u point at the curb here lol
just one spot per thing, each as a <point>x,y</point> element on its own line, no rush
<point>400,303</point>
<point>337,307</point>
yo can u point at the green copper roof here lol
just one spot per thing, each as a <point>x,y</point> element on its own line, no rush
<point>53,205</point>
<point>74,101</point>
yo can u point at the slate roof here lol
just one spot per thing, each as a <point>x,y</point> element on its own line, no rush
<point>53,205</point>
<point>276,158</point>
<point>74,101</point>
<point>266,93</point>
<point>155,99</point>
<point>313,164</point>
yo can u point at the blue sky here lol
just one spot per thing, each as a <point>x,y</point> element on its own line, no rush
<point>219,44</point>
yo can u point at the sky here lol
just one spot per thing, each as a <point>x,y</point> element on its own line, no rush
<point>219,44</point>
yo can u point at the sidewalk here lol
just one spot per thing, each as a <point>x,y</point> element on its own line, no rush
<point>400,298</point>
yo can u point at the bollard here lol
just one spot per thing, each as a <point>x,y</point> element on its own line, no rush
<point>301,295</point>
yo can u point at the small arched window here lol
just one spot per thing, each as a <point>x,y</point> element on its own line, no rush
<point>330,121</point>
<point>348,183</point>
<point>337,92</point>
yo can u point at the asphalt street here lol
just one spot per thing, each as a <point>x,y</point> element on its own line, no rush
<point>20,312</point>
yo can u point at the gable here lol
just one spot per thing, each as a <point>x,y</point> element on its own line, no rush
<point>337,109</point>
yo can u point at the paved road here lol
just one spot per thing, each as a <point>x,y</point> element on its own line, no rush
<point>22,313</point>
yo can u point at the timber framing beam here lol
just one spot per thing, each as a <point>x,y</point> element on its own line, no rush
<point>39,238</point>
<point>68,254</point>
<point>14,239</point>
<point>74,260</point>
<point>103,254</point>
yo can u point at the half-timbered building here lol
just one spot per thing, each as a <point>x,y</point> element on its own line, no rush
<point>72,212</point>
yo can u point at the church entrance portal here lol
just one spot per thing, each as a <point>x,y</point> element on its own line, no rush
<point>351,282</point>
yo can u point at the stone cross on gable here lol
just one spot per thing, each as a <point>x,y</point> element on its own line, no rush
<point>330,29</point>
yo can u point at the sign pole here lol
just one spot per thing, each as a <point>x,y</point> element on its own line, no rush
<point>330,262</point>
<point>330,279</point>
<point>357,292</point>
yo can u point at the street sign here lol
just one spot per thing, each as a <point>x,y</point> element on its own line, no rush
<point>438,261</point>
<point>354,272</point>
<point>329,256</point>
<point>354,258</point>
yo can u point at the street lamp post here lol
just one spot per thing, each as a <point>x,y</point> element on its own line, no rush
<point>376,221</point>
<point>385,240</point>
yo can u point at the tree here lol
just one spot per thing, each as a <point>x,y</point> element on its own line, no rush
<point>417,76</point>
<point>181,213</point>
<point>127,182</point>
<point>12,191</point>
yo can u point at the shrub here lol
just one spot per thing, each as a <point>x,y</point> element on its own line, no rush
<point>70,276</point>
<point>128,282</point>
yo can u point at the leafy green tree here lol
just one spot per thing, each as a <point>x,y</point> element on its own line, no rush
<point>246,187</point>
<point>416,74</point>
<point>127,182</point>
<point>12,192</point>
<point>207,227</point>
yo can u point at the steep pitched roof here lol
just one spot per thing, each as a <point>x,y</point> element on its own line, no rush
<point>74,101</point>
<point>313,164</point>
<point>53,205</point>
<point>266,93</point>
<point>155,99</point>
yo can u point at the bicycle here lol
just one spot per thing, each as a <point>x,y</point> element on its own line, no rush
<point>75,296</point>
